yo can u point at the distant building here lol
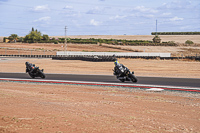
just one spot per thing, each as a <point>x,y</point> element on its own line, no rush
<point>6,40</point>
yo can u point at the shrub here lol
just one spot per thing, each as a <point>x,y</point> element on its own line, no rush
<point>156,39</point>
<point>20,39</point>
<point>189,42</point>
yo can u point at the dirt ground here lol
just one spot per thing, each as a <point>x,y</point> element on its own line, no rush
<point>51,49</point>
<point>36,108</point>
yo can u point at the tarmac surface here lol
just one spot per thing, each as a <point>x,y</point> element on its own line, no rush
<point>177,82</point>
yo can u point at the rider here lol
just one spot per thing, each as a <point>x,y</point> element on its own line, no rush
<point>30,67</point>
<point>117,70</point>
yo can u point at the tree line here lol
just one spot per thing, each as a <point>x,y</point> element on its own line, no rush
<point>36,36</point>
<point>175,33</point>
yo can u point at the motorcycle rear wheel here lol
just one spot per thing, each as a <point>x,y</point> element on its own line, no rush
<point>122,80</point>
<point>31,75</point>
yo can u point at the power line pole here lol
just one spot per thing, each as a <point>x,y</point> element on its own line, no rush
<point>65,40</point>
<point>156,27</point>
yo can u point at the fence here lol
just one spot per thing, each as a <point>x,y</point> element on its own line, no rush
<point>100,58</point>
<point>119,54</point>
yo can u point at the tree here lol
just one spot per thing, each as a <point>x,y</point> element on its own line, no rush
<point>21,39</point>
<point>33,36</point>
<point>45,37</point>
<point>13,37</point>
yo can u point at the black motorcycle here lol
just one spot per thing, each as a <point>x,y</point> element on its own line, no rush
<point>124,74</point>
<point>34,71</point>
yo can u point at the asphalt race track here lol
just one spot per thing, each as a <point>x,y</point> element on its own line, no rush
<point>179,82</point>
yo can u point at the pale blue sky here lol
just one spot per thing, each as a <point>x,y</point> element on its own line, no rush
<point>99,17</point>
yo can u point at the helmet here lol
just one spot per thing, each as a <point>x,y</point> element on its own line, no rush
<point>116,62</point>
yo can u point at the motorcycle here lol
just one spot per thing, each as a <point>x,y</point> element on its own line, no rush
<point>34,71</point>
<point>125,74</point>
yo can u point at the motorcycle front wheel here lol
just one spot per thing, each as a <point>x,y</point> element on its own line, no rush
<point>42,75</point>
<point>133,78</point>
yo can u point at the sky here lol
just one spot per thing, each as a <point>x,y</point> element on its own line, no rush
<point>98,17</point>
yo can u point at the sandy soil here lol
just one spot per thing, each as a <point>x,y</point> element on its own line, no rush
<point>151,68</point>
<point>51,49</point>
<point>178,51</point>
<point>57,108</point>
